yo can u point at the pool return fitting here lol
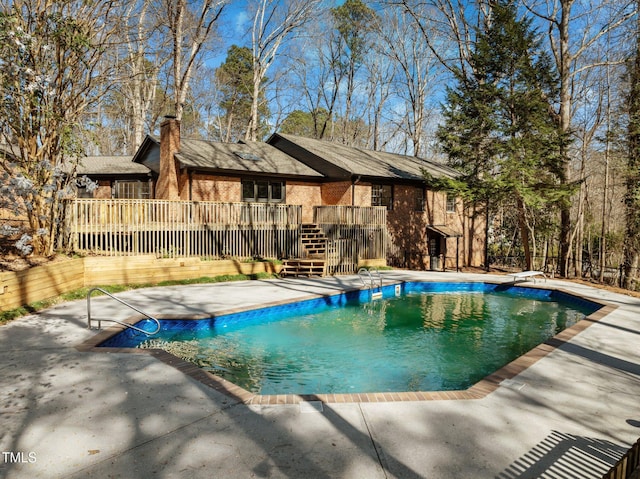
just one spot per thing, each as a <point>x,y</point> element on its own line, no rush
<point>148,333</point>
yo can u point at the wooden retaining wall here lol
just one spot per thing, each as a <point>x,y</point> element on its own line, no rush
<point>39,283</point>
<point>45,282</point>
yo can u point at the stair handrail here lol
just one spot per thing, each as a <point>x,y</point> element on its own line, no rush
<point>148,333</point>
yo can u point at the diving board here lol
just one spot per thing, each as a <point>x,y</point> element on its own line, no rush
<point>525,275</point>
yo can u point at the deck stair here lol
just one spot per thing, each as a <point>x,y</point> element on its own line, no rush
<point>313,260</point>
<point>314,241</point>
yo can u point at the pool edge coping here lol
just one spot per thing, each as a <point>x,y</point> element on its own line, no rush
<point>478,390</point>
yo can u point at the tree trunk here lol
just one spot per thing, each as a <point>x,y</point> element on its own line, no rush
<point>604,229</point>
<point>252,128</point>
<point>524,233</point>
<point>564,60</point>
<point>579,236</point>
<point>632,197</point>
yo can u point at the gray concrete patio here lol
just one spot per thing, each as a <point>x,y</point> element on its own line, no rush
<point>65,413</point>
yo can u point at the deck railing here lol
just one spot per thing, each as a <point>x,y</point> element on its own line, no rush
<point>351,215</point>
<point>184,228</point>
<point>122,227</point>
<point>353,232</point>
<point>628,466</point>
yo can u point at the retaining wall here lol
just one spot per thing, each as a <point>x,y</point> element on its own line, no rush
<point>48,281</point>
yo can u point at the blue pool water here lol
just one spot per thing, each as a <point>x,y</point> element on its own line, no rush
<point>432,337</point>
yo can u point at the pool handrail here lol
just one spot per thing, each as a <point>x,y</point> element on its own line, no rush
<point>122,323</point>
<point>368,271</point>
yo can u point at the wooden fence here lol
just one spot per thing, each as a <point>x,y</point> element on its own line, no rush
<point>628,466</point>
<point>342,257</point>
<point>353,233</point>
<point>120,227</point>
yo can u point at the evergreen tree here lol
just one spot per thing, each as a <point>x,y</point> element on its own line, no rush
<point>499,128</point>
<point>307,124</point>
<point>353,21</point>
<point>235,81</point>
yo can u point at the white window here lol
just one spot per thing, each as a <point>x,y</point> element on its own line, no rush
<point>418,199</point>
<point>451,203</point>
<point>382,195</point>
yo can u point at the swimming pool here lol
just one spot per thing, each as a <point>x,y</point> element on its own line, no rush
<point>431,337</point>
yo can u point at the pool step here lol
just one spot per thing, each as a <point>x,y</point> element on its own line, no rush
<point>303,267</point>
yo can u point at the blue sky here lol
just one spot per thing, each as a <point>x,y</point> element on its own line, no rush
<point>234,28</point>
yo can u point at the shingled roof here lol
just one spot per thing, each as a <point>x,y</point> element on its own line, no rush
<point>110,165</point>
<point>248,156</point>
<point>93,165</point>
<point>290,155</point>
<point>335,159</point>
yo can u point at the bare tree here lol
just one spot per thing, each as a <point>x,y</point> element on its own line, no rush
<point>274,21</point>
<point>574,29</point>
<point>141,65</point>
<point>50,52</point>
<point>449,28</point>
<point>190,25</point>
<point>417,72</point>
<point>317,78</point>
<point>379,88</point>
<point>128,112</point>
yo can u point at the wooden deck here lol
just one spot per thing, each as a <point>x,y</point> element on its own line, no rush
<point>185,228</point>
<point>340,237</point>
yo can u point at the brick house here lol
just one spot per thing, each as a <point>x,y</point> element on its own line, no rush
<point>429,229</point>
<point>116,176</point>
<point>426,229</point>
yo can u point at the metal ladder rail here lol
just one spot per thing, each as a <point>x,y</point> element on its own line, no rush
<point>148,333</point>
<point>377,273</point>
<point>371,283</point>
<point>361,272</point>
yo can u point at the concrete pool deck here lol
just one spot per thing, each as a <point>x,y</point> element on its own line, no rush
<point>67,413</point>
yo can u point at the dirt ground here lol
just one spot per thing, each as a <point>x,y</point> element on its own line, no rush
<point>11,262</point>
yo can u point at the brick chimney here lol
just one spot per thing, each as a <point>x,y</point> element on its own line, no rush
<point>168,186</point>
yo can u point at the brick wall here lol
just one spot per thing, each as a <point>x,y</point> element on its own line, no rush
<point>362,195</point>
<point>103,191</point>
<point>344,193</point>
<point>306,194</point>
<point>407,227</point>
<point>169,179</point>
<point>215,188</point>
<point>229,189</point>
<point>336,193</point>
